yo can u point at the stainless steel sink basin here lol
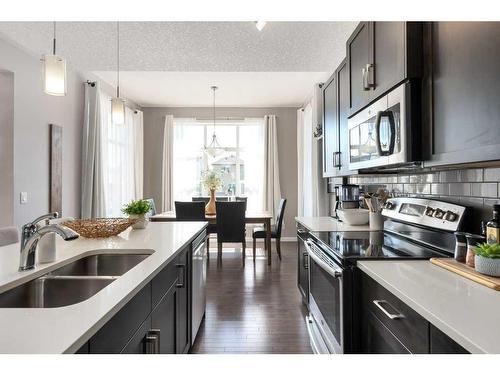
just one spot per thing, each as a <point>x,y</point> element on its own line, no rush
<point>72,283</point>
<point>53,292</point>
<point>101,265</point>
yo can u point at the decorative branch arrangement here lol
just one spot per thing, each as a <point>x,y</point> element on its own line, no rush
<point>376,201</point>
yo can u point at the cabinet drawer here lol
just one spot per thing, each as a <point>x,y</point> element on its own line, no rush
<point>163,281</point>
<point>136,345</point>
<point>377,338</point>
<point>115,334</point>
<point>408,326</point>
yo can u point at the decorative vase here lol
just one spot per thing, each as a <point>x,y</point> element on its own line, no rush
<point>487,266</point>
<point>210,207</point>
<point>141,223</point>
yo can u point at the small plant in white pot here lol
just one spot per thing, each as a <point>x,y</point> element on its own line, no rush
<point>487,259</point>
<point>137,210</point>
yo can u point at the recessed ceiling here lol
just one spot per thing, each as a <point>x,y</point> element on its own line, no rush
<point>236,89</point>
<point>158,48</point>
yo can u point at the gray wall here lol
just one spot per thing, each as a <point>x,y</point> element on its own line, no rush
<point>6,148</point>
<point>287,145</point>
<point>33,112</point>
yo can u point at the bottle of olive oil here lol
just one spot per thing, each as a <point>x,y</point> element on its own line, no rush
<point>493,226</point>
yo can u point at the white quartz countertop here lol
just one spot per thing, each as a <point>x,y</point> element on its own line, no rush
<point>66,329</point>
<point>329,224</point>
<point>467,312</point>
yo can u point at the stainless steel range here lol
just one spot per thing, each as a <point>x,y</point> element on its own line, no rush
<point>414,228</point>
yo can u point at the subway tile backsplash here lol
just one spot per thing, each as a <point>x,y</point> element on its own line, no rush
<point>478,188</point>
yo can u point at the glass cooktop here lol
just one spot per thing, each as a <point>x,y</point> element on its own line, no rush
<point>356,245</point>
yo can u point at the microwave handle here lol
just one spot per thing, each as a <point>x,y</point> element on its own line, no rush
<point>392,124</point>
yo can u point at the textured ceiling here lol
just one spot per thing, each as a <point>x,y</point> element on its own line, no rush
<point>167,49</point>
<point>190,46</point>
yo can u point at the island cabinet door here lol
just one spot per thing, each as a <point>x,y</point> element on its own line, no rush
<point>442,344</point>
<point>376,338</point>
<point>183,302</point>
<point>163,321</point>
<point>303,266</point>
<point>138,344</point>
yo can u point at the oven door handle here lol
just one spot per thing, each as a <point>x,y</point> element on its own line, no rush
<point>392,125</point>
<point>335,272</point>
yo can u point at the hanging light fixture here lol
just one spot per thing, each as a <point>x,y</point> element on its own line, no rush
<point>54,71</point>
<point>260,25</point>
<point>214,148</point>
<point>117,103</point>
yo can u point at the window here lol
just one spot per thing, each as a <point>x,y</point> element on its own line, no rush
<point>241,164</point>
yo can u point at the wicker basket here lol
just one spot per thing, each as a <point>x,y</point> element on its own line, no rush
<point>98,228</point>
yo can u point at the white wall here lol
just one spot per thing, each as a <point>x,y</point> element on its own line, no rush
<point>287,144</point>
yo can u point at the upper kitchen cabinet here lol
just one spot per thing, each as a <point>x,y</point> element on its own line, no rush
<point>380,55</point>
<point>462,92</point>
<point>331,146</point>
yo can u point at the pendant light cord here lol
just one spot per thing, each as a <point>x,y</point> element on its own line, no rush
<point>214,88</point>
<point>54,39</point>
<point>118,59</point>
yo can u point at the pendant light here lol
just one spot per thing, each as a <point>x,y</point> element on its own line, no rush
<point>260,25</point>
<point>117,103</point>
<point>214,149</point>
<point>54,71</point>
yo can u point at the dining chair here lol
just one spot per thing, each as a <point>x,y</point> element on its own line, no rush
<point>260,232</point>
<point>230,225</point>
<point>8,236</point>
<point>190,211</point>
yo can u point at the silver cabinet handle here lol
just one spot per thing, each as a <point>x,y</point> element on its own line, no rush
<point>152,342</point>
<point>336,159</point>
<point>365,79</point>
<point>305,260</point>
<point>181,281</point>
<point>379,302</point>
<point>370,76</point>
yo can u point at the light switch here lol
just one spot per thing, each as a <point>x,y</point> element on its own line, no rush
<point>23,199</point>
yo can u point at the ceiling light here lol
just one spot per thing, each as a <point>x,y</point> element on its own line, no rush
<point>214,148</point>
<point>118,104</point>
<point>260,25</point>
<point>54,72</point>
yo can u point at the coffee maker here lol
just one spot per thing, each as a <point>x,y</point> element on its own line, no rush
<point>347,197</point>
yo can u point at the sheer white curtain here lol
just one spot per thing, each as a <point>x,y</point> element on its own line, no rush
<point>272,176</point>
<point>138,126</point>
<point>93,200</point>
<point>311,187</point>
<point>168,167</point>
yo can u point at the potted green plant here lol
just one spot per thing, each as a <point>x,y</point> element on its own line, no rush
<point>137,210</point>
<point>212,180</point>
<point>487,259</point>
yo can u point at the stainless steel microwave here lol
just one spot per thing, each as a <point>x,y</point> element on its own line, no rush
<point>381,135</point>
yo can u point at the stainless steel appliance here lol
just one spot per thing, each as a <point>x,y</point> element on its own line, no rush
<point>199,284</point>
<point>382,134</point>
<point>347,196</point>
<point>414,229</point>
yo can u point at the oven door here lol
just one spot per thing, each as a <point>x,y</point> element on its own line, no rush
<point>325,323</point>
<point>377,135</point>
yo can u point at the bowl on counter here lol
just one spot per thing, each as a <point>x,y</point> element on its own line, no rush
<point>354,216</point>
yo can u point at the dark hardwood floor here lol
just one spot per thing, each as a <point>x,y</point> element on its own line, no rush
<point>253,308</point>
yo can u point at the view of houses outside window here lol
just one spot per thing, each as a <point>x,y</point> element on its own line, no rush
<point>240,162</point>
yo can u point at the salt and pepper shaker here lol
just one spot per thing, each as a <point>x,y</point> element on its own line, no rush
<point>472,241</point>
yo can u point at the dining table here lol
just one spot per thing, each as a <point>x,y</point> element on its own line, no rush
<point>263,218</point>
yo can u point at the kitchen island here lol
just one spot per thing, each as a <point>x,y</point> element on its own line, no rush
<point>67,329</point>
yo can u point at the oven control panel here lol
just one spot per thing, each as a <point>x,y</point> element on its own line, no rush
<point>426,212</point>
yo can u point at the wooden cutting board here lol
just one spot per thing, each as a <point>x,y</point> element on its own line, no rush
<point>470,273</point>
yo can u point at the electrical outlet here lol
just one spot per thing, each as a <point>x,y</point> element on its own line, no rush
<point>23,198</point>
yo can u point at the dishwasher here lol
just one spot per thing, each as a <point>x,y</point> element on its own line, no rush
<point>199,278</point>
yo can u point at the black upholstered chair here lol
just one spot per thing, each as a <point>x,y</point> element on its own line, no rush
<point>260,232</point>
<point>230,225</point>
<point>190,211</point>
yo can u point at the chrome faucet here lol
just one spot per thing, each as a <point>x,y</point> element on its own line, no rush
<point>31,234</point>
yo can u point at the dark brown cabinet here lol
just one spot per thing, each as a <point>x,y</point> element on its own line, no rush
<point>343,126</point>
<point>387,325</point>
<point>381,55</point>
<point>330,128</point>
<point>303,266</point>
<point>461,84</point>
<point>156,320</point>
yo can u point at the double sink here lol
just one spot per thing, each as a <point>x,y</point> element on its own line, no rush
<point>71,283</point>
